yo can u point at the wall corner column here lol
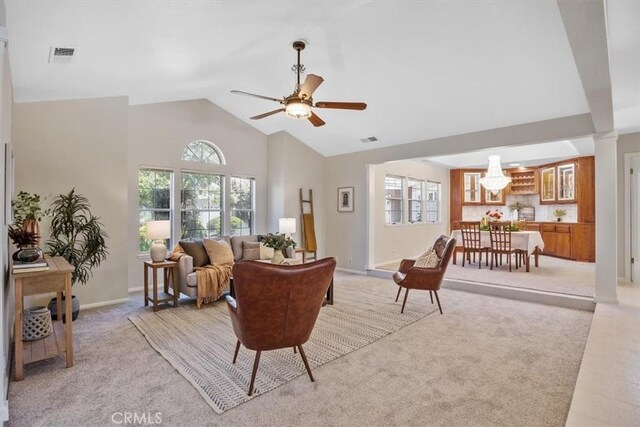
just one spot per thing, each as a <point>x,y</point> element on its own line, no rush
<point>606,218</point>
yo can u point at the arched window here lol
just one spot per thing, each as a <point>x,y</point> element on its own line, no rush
<point>203,152</point>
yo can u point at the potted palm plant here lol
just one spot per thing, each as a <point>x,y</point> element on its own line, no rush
<point>78,236</point>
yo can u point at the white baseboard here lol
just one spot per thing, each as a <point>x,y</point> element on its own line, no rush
<point>346,270</point>
<point>605,300</point>
<point>103,303</point>
<point>138,289</point>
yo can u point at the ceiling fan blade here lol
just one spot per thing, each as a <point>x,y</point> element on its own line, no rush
<point>310,85</point>
<point>342,105</point>
<point>270,113</point>
<point>315,120</point>
<point>239,92</point>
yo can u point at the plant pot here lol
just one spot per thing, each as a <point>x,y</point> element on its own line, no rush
<point>278,257</point>
<point>559,219</point>
<point>30,224</point>
<point>75,308</point>
<point>29,253</point>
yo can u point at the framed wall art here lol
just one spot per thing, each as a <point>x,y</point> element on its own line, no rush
<point>345,199</point>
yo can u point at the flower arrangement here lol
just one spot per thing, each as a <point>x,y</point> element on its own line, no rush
<point>277,241</point>
<point>494,215</point>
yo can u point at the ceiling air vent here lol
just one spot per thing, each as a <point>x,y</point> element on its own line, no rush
<point>61,55</point>
<point>368,140</point>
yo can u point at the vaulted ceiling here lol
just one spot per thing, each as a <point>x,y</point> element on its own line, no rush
<point>426,69</point>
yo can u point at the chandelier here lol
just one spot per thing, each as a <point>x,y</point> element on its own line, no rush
<point>494,180</point>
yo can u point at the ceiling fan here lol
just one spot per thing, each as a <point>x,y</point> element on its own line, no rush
<point>298,105</point>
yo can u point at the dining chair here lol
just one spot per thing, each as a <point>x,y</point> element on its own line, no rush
<point>471,243</point>
<point>500,235</point>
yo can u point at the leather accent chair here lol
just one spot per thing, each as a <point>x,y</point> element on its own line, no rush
<point>276,306</point>
<point>429,279</point>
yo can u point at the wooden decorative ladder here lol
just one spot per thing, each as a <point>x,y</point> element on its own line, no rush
<point>309,244</point>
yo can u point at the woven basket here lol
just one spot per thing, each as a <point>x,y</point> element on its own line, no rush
<point>37,323</point>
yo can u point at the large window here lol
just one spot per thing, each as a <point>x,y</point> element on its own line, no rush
<point>201,203</point>
<point>242,206</point>
<point>415,196</point>
<point>394,198</point>
<point>433,202</point>
<point>154,188</point>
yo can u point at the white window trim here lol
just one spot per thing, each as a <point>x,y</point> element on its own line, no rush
<point>253,202</point>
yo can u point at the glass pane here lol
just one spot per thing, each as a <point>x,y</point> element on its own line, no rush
<point>241,193</point>
<point>154,189</point>
<point>393,187</point>
<point>415,211</point>
<point>201,151</point>
<point>415,189</point>
<point>241,223</point>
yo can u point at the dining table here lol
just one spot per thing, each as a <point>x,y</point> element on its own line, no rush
<point>529,241</point>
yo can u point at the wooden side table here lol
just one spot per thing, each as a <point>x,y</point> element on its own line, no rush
<point>57,279</point>
<point>169,270</point>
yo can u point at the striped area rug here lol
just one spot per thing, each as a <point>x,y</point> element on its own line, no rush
<point>200,343</point>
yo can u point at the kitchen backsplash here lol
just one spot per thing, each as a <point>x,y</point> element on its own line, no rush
<point>543,212</point>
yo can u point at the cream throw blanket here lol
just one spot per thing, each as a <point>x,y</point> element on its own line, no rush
<point>211,279</point>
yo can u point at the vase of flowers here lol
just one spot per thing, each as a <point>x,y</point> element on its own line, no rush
<point>493,215</point>
<point>278,242</point>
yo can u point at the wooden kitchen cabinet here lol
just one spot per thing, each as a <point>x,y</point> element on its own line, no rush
<point>557,240</point>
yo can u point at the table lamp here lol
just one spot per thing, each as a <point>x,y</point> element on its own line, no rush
<point>158,231</point>
<point>287,225</point>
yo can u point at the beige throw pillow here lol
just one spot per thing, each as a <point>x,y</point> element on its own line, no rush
<point>219,251</point>
<point>250,251</point>
<point>429,260</point>
<point>266,252</point>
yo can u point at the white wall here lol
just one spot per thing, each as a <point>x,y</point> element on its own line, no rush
<point>7,295</point>
<point>294,165</point>
<point>157,135</point>
<point>629,143</point>
<point>81,144</point>
<point>394,242</point>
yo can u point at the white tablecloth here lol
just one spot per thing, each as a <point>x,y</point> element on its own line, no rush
<point>523,240</point>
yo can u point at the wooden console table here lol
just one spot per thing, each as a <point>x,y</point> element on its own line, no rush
<point>57,279</point>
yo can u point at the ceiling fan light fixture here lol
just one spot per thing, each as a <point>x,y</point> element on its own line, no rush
<point>494,179</point>
<point>298,110</point>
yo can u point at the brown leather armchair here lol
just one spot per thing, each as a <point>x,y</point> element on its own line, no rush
<point>429,279</point>
<point>276,306</point>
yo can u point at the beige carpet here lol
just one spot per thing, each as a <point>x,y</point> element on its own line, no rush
<point>486,362</point>
<point>200,343</point>
<point>552,275</point>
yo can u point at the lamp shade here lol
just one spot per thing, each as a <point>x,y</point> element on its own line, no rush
<point>158,230</point>
<point>494,180</point>
<point>287,225</point>
<point>298,109</point>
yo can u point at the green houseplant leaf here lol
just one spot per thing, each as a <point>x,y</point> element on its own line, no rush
<point>77,235</point>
